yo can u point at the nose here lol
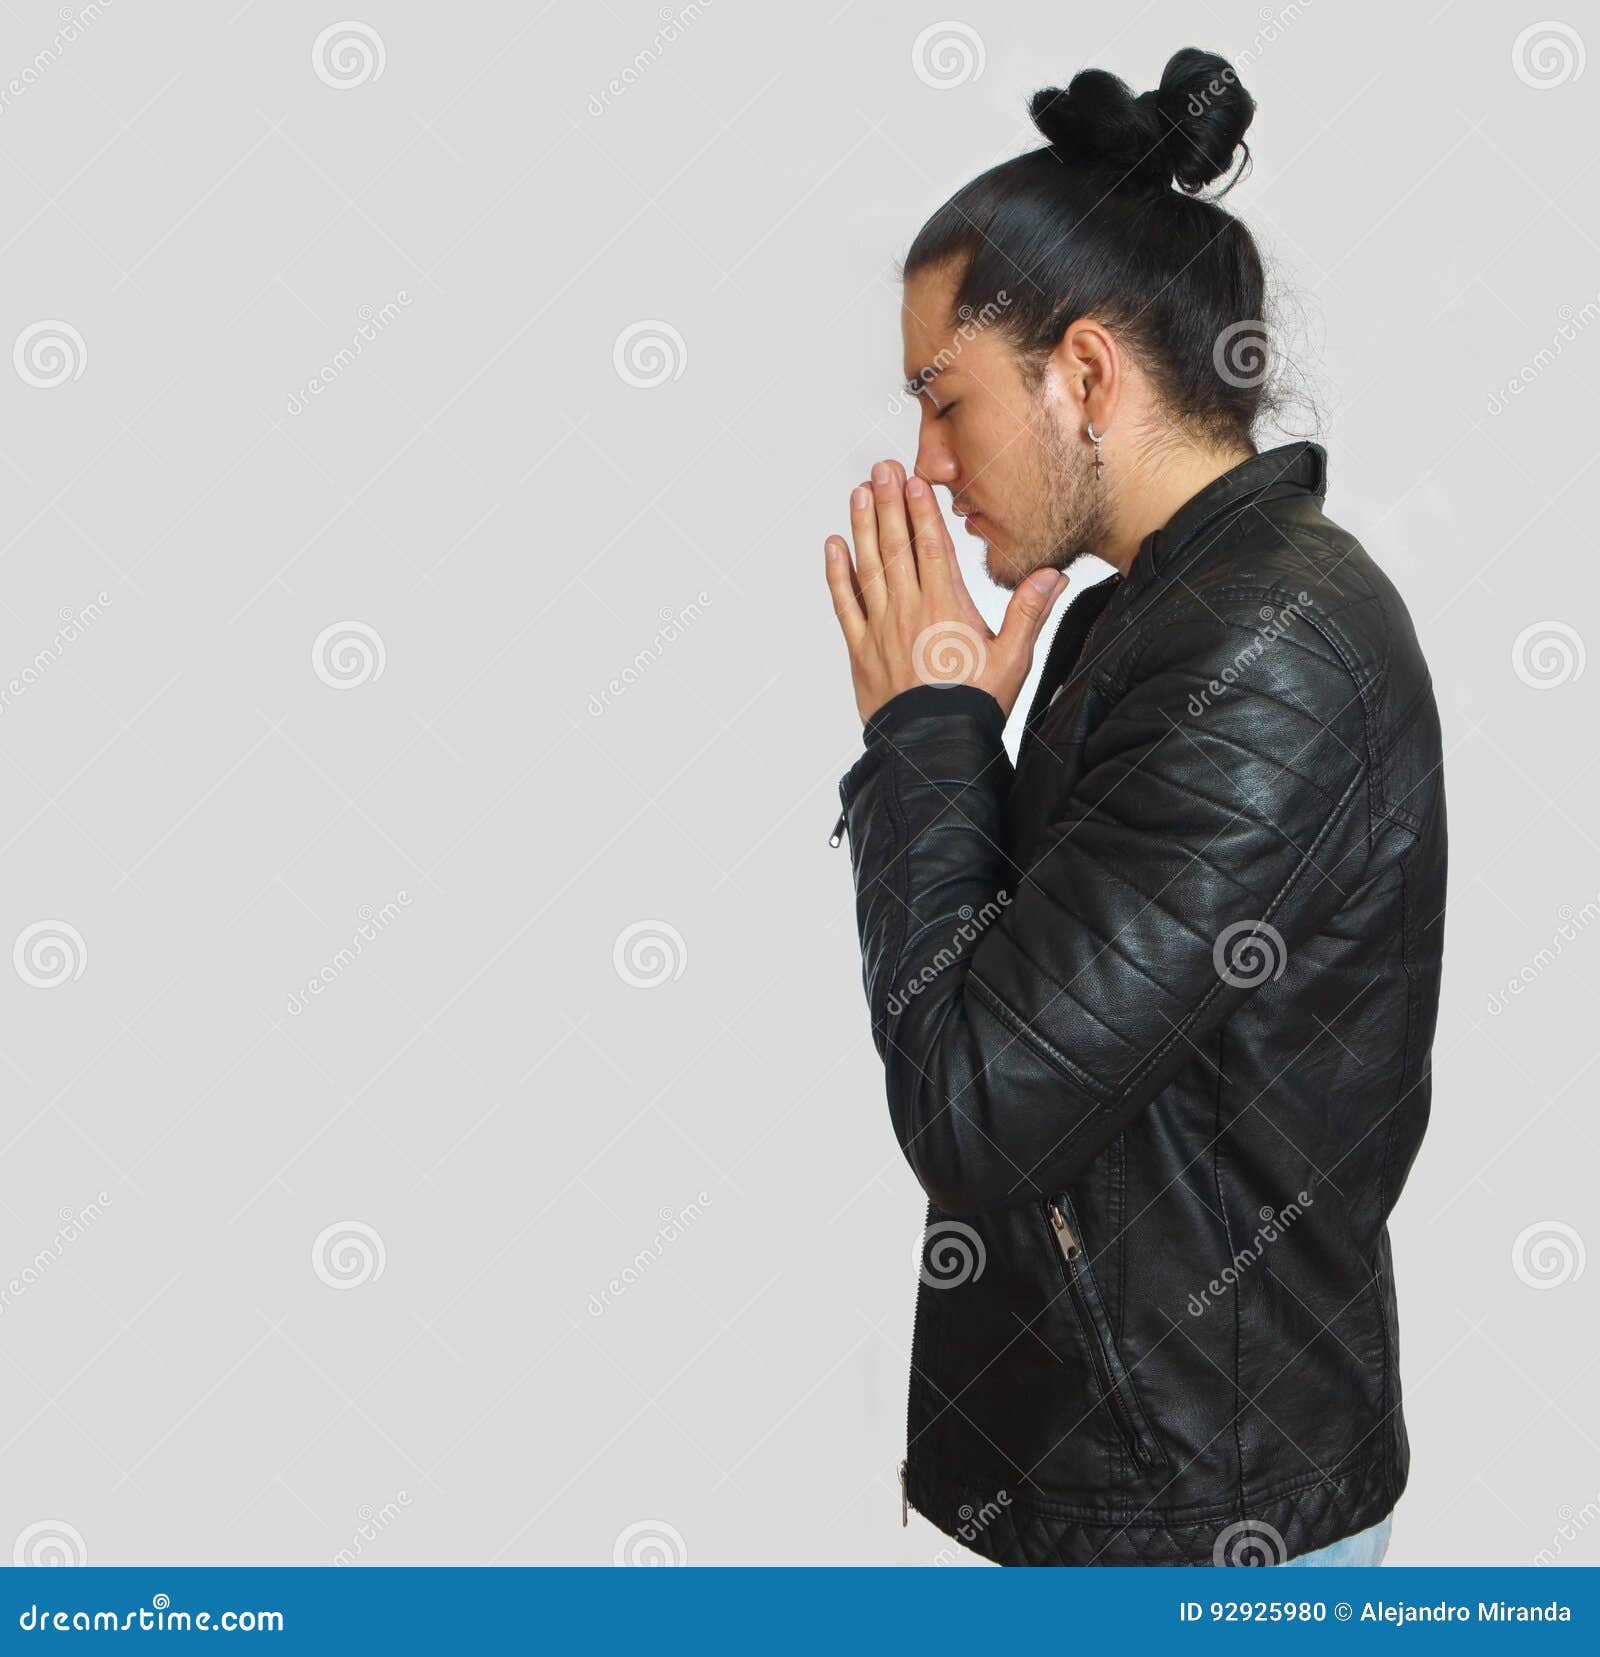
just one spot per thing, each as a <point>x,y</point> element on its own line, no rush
<point>936,460</point>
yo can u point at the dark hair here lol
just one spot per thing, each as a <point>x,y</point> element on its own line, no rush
<point>1090,225</point>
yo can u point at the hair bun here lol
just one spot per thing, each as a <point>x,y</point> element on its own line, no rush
<point>1185,132</point>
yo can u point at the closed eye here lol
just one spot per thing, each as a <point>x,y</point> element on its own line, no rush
<point>924,394</point>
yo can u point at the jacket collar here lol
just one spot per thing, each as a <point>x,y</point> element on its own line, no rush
<point>1291,468</point>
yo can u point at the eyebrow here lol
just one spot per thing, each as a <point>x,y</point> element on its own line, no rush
<point>920,382</point>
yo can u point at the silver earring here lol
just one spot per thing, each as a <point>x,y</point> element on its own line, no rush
<point>1098,462</point>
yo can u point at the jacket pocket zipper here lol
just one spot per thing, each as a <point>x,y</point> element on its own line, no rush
<point>1109,1372</point>
<point>838,831</point>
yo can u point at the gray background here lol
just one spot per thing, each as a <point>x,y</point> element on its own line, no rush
<point>493,1105</point>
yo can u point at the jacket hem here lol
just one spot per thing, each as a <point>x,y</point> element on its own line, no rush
<point>1280,1525</point>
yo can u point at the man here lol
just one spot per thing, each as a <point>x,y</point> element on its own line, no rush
<point>1156,1003</point>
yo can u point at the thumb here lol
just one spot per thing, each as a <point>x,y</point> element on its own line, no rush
<point>1030,605</point>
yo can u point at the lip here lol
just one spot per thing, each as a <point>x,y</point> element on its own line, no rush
<point>971,520</point>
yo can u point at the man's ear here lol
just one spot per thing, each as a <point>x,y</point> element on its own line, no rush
<point>1084,374</point>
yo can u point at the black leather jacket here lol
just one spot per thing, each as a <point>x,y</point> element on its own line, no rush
<point>1155,1008</point>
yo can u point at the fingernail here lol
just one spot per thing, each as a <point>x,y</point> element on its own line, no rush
<point>916,488</point>
<point>833,549</point>
<point>880,472</point>
<point>1045,580</point>
<point>861,498</point>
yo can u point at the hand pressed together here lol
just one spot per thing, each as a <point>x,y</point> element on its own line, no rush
<point>904,608</point>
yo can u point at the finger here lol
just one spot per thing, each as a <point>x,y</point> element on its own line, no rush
<point>970,612</point>
<point>929,538</point>
<point>869,561</point>
<point>1027,612</point>
<point>850,570</point>
<point>846,595</point>
<point>956,581</point>
<point>894,537</point>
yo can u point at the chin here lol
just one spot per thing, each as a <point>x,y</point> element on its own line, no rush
<point>995,561</point>
<point>1001,566</point>
<point>999,570</point>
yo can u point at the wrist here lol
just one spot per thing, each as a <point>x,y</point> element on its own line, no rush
<point>939,701</point>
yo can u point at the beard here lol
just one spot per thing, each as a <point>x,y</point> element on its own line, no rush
<point>1071,513</point>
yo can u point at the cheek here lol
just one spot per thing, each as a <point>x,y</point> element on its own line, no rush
<point>975,438</point>
<point>991,450</point>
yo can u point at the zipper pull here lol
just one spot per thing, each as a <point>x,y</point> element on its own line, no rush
<point>1069,1243</point>
<point>905,1500</point>
<point>838,831</point>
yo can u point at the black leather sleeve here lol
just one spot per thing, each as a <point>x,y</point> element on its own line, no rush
<point>1025,1015</point>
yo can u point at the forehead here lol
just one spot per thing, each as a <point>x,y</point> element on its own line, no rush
<point>934,338</point>
<point>927,323</point>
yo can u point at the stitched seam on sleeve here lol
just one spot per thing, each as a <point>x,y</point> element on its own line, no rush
<point>1079,1078</point>
<point>1371,728</point>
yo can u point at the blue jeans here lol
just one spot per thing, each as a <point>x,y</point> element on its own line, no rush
<point>1366,1547</point>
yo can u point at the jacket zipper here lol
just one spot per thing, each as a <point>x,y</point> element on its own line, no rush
<point>838,831</point>
<point>1099,620</point>
<point>1105,1371</point>
<point>911,1380</point>
<point>1054,663</point>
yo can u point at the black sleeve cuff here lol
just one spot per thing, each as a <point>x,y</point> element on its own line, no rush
<point>935,699</point>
